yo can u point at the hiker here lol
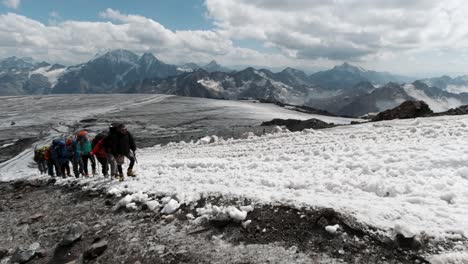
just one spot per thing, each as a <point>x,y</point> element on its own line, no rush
<point>107,145</point>
<point>74,157</point>
<point>49,161</point>
<point>120,144</point>
<point>39,158</point>
<point>84,149</point>
<point>100,152</point>
<point>61,156</point>
<point>53,159</point>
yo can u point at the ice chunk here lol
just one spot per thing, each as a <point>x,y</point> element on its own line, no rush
<point>152,205</point>
<point>246,223</point>
<point>131,206</point>
<point>332,228</point>
<point>204,140</point>
<point>124,201</point>
<point>170,207</point>
<point>236,214</point>
<point>139,197</point>
<point>247,208</point>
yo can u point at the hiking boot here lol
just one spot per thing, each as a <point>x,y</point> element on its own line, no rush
<point>131,173</point>
<point>121,177</point>
<point>95,173</point>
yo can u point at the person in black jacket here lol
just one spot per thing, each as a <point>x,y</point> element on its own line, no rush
<point>120,144</point>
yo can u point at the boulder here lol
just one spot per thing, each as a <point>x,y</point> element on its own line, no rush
<point>408,109</point>
<point>298,125</point>
<point>95,250</point>
<point>22,255</point>
<point>74,233</point>
<point>3,252</point>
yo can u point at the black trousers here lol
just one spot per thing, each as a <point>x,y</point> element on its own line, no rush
<point>130,166</point>
<point>65,169</point>
<point>42,166</point>
<point>104,165</point>
<point>51,166</point>
<point>85,159</point>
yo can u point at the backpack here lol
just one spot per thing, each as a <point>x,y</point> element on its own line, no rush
<point>63,154</point>
<point>98,138</point>
<point>39,153</point>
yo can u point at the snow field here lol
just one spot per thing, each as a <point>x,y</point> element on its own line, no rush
<point>409,175</point>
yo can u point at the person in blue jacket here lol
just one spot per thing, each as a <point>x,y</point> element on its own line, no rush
<point>61,156</point>
<point>75,158</point>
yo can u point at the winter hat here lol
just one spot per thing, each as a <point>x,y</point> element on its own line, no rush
<point>82,133</point>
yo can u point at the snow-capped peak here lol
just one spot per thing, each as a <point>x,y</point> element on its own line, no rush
<point>212,63</point>
<point>119,55</point>
<point>350,68</point>
<point>148,58</point>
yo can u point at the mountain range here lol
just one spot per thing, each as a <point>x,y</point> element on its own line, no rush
<point>343,90</point>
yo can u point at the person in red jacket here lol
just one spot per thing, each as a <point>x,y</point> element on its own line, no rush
<point>101,155</point>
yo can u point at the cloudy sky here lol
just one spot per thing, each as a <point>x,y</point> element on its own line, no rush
<point>417,37</point>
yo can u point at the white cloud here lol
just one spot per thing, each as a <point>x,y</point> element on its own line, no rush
<point>14,4</point>
<point>394,35</point>
<point>356,30</point>
<point>77,41</point>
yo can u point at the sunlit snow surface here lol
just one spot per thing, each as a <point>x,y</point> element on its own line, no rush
<point>412,173</point>
<point>402,173</point>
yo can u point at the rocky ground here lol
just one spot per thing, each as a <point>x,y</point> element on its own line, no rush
<point>41,222</point>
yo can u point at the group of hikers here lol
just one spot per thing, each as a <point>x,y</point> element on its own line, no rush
<point>109,148</point>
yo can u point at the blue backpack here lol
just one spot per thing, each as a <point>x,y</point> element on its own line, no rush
<point>61,152</point>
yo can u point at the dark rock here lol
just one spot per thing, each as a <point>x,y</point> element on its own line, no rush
<point>3,252</point>
<point>36,217</point>
<point>89,120</point>
<point>13,123</point>
<point>95,250</point>
<point>461,110</point>
<point>74,233</point>
<point>51,181</point>
<point>18,184</point>
<point>408,109</point>
<point>108,202</point>
<point>79,260</point>
<point>298,125</point>
<point>41,253</point>
<point>22,255</point>
<point>407,242</point>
